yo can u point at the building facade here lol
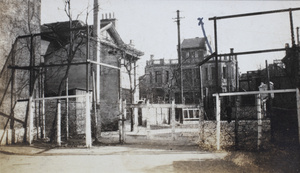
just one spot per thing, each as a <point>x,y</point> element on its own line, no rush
<point>114,83</point>
<point>161,81</point>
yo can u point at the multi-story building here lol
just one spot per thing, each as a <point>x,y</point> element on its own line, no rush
<point>114,53</point>
<point>161,81</point>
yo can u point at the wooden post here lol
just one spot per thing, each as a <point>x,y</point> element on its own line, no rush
<point>259,121</point>
<point>58,124</point>
<point>67,109</point>
<point>147,110</point>
<point>298,111</point>
<point>43,117</point>
<point>88,131</point>
<point>173,120</point>
<point>135,114</point>
<point>120,120</point>
<point>218,111</point>
<point>123,120</point>
<point>201,121</point>
<point>30,127</point>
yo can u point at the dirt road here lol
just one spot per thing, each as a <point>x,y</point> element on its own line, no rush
<point>131,158</point>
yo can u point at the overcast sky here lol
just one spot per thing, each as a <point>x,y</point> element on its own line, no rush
<point>150,24</point>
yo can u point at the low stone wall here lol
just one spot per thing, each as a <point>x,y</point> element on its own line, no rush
<point>6,137</point>
<point>247,134</point>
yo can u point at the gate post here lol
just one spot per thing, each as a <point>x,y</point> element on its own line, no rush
<point>123,120</point>
<point>88,129</point>
<point>201,122</point>
<point>120,120</point>
<point>58,126</point>
<point>135,114</point>
<point>298,111</point>
<point>173,119</point>
<point>30,127</point>
<point>218,111</point>
<point>259,121</point>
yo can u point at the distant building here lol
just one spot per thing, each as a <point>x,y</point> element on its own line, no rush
<point>161,81</point>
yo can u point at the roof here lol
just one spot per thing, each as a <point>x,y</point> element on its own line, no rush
<point>61,32</point>
<point>193,43</point>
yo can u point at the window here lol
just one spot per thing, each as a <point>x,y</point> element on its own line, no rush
<point>213,73</point>
<point>158,78</point>
<point>206,73</point>
<point>196,54</point>
<point>224,72</point>
<point>167,76</point>
<point>150,77</point>
<point>187,77</point>
<point>197,77</point>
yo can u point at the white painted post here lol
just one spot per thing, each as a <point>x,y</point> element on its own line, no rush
<point>30,127</point>
<point>88,129</point>
<point>58,124</point>
<point>173,119</point>
<point>298,111</point>
<point>135,114</point>
<point>147,111</point>
<point>43,118</point>
<point>259,121</point>
<point>123,120</point>
<point>218,111</point>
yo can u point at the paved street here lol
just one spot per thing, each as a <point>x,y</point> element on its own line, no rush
<point>129,158</point>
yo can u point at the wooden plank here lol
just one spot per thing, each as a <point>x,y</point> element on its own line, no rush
<point>12,118</point>
<point>255,92</point>
<point>192,106</point>
<point>59,97</point>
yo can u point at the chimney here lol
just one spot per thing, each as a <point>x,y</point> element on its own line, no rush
<point>108,18</point>
<point>131,43</point>
<point>151,57</point>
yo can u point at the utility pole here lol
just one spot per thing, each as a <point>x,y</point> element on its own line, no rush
<point>179,55</point>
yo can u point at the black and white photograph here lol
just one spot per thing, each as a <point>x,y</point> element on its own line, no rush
<point>149,86</point>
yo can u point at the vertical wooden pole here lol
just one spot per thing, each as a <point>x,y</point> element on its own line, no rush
<point>97,52</point>
<point>218,111</point>
<point>88,131</point>
<point>201,121</point>
<point>147,110</point>
<point>298,111</point>
<point>43,116</point>
<point>120,120</point>
<point>216,52</point>
<point>58,124</point>
<point>259,121</point>
<point>96,129</point>
<point>30,127</point>
<point>67,108</point>
<point>135,114</point>
<point>123,120</point>
<point>173,119</point>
